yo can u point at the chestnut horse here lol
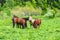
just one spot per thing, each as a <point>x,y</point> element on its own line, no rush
<point>15,20</point>
<point>19,21</point>
<point>34,22</point>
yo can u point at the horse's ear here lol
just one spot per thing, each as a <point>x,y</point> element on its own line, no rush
<point>13,15</point>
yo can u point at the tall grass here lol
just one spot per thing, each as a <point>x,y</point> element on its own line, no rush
<point>25,10</point>
<point>49,30</point>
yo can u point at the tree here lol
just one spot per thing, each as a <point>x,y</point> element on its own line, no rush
<point>2,2</point>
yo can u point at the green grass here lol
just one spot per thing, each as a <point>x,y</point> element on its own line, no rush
<point>49,30</point>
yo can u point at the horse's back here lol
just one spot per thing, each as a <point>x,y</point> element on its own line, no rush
<point>20,20</point>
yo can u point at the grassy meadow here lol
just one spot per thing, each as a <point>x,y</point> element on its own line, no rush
<point>49,30</point>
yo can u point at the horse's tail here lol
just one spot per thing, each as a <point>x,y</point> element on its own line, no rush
<point>13,22</point>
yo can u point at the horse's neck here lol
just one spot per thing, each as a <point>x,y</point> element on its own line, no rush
<point>15,17</point>
<point>32,20</point>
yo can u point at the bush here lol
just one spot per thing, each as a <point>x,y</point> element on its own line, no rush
<point>50,13</point>
<point>1,8</point>
<point>5,13</point>
<point>9,3</point>
<point>28,3</point>
<point>43,12</point>
<point>58,13</point>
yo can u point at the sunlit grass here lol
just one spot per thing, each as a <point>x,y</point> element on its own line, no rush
<point>49,30</point>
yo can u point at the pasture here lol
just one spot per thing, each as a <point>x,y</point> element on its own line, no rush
<point>49,30</point>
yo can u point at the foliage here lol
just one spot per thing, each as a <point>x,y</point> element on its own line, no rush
<point>35,3</point>
<point>0,7</point>
<point>9,3</point>
<point>50,13</point>
<point>5,13</point>
<point>58,13</point>
<point>26,11</point>
<point>43,4</point>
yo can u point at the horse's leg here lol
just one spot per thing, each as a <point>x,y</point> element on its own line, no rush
<point>23,25</point>
<point>13,23</point>
<point>17,25</point>
<point>38,25</point>
<point>35,25</point>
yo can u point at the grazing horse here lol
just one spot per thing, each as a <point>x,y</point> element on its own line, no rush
<point>18,21</point>
<point>31,20</point>
<point>34,22</point>
<point>37,22</point>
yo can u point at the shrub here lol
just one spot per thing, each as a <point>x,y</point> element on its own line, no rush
<point>7,11</point>
<point>58,13</point>
<point>9,3</point>
<point>1,7</point>
<point>50,13</point>
<point>44,12</point>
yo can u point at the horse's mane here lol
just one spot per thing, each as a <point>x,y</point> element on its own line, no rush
<point>15,16</point>
<point>26,18</point>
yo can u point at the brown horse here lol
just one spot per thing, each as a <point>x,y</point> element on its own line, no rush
<point>18,21</point>
<point>34,22</point>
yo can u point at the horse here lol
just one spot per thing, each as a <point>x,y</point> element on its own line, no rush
<point>21,22</point>
<point>26,19</point>
<point>18,21</point>
<point>14,20</point>
<point>34,22</point>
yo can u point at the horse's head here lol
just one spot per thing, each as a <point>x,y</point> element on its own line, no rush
<point>30,18</point>
<point>15,16</point>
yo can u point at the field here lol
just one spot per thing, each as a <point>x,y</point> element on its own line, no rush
<point>49,30</point>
